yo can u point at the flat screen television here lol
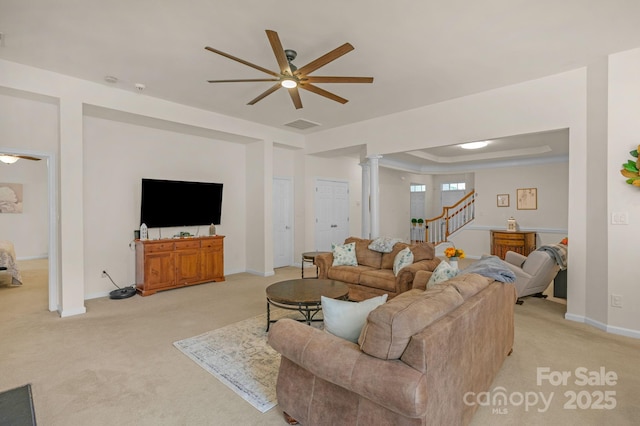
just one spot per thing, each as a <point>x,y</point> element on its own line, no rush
<point>168,203</point>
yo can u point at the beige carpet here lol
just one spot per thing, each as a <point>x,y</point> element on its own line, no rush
<point>116,365</point>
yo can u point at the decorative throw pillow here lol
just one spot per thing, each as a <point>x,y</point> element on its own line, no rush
<point>383,244</point>
<point>403,258</point>
<point>346,319</point>
<point>344,254</point>
<point>442,273</point>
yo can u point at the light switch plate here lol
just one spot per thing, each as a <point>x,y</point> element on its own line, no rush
<point>619,218</point>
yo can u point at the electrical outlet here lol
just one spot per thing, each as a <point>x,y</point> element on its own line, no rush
<point>616,301</point>
<point>619,218</point>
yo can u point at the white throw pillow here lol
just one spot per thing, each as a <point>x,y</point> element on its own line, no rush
<point>344,254</point>
<point>346,319</point>
<point>403,258</point>
<point>383,244</point>
<point>442,273</point>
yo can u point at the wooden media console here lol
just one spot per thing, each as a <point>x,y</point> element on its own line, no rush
<point>171,263</point>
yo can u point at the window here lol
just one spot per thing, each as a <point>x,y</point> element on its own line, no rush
<point>418,188</point>
<point>460,186</point>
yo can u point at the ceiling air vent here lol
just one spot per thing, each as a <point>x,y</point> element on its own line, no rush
<point>302,124</point>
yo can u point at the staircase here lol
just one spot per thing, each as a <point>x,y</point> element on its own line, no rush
<point>453,218</point>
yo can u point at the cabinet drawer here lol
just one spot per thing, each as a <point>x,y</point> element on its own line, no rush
<point>211,243</point>
<point>504,242</point>
<point>505,236</point>
<point>187,244</point>
<point>156,247</point>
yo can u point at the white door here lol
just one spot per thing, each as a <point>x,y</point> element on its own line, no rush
<point>282,222</point>
<point>332,213</point>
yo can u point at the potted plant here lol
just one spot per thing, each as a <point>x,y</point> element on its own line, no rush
<point>453,254</point>
<point>420,222</point>
<point>414,221</point>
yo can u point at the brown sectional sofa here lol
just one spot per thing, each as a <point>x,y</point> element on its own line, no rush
<point>374,274</point>
<point>417,358</point>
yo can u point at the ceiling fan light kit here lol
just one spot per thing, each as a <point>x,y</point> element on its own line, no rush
<point>8,159</point>
<point>474,145</point>
<point>288,83</point>
<point>291,77</point>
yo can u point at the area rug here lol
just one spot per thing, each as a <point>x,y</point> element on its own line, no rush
<point>240,357</point>
<point>16,407</point>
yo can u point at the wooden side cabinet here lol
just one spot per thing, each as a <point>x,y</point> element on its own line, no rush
<point>523,242</point>
<point>172,263</point>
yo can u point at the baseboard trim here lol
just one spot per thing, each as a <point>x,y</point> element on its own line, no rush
<point>42,256</point>
<point>627,332</point>
<point>97,295</point>
<point>623,331</point>
<point>72,312</point>
<point>261,273</point>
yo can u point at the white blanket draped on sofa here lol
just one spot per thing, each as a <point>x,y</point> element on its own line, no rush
<point>8,260</point>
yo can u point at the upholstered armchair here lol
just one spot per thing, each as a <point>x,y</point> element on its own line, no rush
<point>534,273</point>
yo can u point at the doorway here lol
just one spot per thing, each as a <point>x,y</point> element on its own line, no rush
<point>50,160</point>
<point>332,213</point>
<point>282,222</point>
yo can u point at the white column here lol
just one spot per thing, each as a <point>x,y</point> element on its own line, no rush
<point>374,190</point>
<point>71,297</point>
<point>366,214</point>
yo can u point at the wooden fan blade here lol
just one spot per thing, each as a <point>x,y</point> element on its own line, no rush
<point>276,46</point>
<point>24,157</point>
<point>324,59</point>
<point>322,92</point>
<point>337,79</point>
<point>295,97</point>
<point>265,93</point>
<point>244,80</point>
<point>242,61</point>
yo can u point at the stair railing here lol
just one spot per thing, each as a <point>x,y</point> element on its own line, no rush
<point>451,220</point>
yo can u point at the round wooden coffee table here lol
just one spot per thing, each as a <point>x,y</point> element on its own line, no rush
<point>303,295</point>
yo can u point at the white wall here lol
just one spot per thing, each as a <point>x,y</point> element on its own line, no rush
<point>395,204</point>
<point>549,220</point>
<point>551,181</point>
<point>283,162</point>
<point>259,208</point>
<point>116,157</point>
<point>623,249</point>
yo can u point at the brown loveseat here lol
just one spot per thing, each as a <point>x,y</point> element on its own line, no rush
<point>421,359</point>
<point>374,274</point>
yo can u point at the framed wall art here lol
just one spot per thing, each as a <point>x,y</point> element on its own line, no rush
<point>503,200</point>
<point>527,198</point>
<point>10,198</point>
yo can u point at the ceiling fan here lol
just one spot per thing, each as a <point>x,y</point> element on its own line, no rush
<point>12,158</point>
<point>292,77</point>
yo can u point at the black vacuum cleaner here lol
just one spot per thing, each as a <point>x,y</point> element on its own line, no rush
<point>120,293</point>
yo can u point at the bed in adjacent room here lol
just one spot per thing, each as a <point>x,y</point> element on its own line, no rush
<point>8,264</point>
